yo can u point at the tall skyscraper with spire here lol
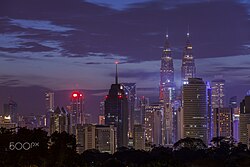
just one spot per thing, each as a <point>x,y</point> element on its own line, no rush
<point>188,69</point>
<point>167,74</point>
<point>167,93</point>
<point>116,111</point>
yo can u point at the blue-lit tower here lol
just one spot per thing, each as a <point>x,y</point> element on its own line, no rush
<point>188,69</point>
<point>167,93</point>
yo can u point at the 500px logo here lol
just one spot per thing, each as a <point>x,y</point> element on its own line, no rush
<point>23,146</point>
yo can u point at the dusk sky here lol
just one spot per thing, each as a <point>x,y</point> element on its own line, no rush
<point>73,44</point>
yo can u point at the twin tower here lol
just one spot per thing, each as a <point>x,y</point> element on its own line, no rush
<point>188,69</point>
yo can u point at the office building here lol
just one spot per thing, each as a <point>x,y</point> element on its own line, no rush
<point>101,137</point>
<point>167,93</point>
<point>176,120</point>
<point>195,109</point>
<point>77,108</point>
<point>10,109</point>
<point>188,69</point>
<point>233,102</point>
<point>244,119</point>
<point>116,111</point>
<point>60,121</point>
<point>130,91</point>
<point>210,122</point>
<point>167,85</point>
<point>140,109</point>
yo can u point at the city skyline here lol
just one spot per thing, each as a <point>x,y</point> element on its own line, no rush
<point>40,47</point>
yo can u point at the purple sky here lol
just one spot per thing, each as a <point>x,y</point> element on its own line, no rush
<point>73,44</point>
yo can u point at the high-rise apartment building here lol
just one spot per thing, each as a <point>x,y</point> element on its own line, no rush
<point>223,122</point>
<point>116,111</point>
<point>195,117</point>
<point>153,124</point>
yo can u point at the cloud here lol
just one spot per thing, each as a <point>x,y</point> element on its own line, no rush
<point>88,27</point>
<point>39,25</point>
<point>8,80</point>
<point>138,74</point>
<point>27,47</point>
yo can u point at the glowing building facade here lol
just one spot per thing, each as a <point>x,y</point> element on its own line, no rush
<point>167,93</point>
<point>167,86</point>
<point>77,108</point>
<point>188,69</point>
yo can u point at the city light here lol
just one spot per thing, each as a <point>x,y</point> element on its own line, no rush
<point>74,95</point>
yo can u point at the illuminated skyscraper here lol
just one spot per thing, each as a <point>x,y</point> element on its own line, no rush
<point>167,93</point>
<point>167,86</point>
<point>77,108</point>
<point>130,91</point>
<point>101,114</point>
<point>140,109</point>
<point>210,122</point>
<point>49,108</point>
<point>49,101</point>
<point>188,69</point>
<point>244,119</point>
<point>176,120</point>
<point>59,121</point>
<point>116,111</point>
<point>195,116</point>
<point>218,93</point>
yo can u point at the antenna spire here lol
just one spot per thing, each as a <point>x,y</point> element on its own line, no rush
<point>188,31</point>
<point>116,72</point>
<point>167,33</point>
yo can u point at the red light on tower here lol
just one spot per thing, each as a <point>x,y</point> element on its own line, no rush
<point>119,96</point>
<point>77,95</point>
<point>74,95</point>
